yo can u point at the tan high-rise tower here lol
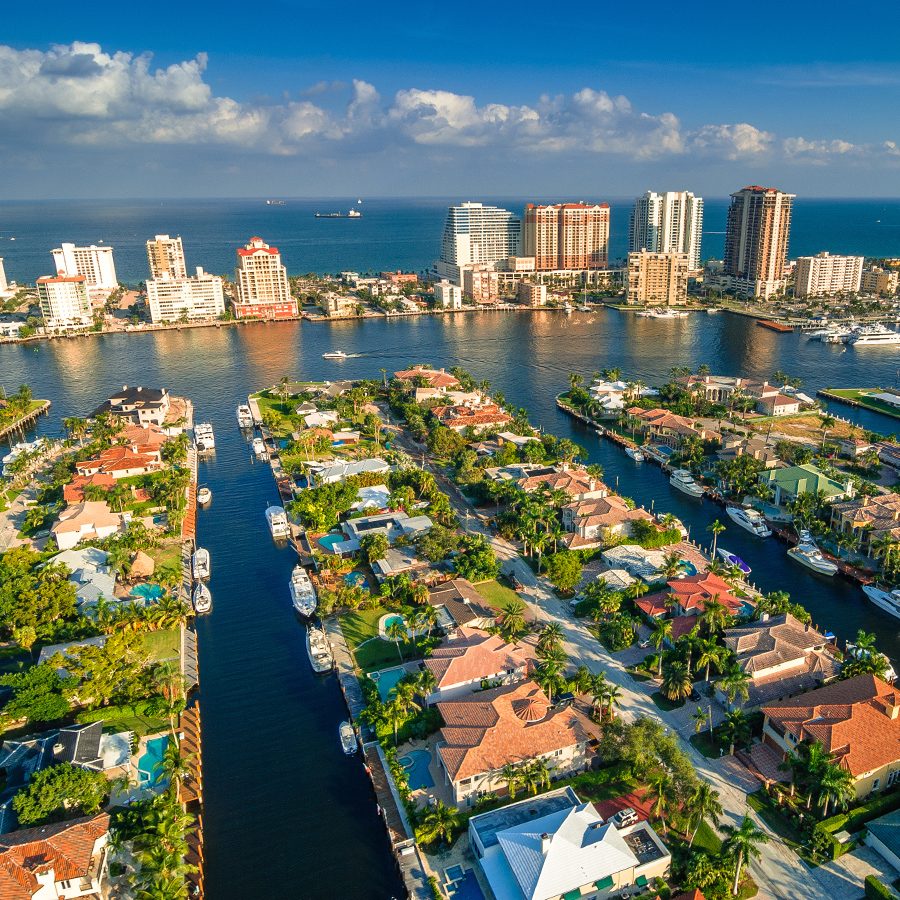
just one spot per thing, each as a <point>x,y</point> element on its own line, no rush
<point>165,257</point>
<point>756,241</point>
<point>567,236</point>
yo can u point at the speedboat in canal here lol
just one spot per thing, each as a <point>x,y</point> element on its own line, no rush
<point>319,650</point>
<point>334,354</point>
<point>808,554</point>
<point>204,437</point>
<point>244,416</point>
<point>635,453</point>
<point>278,522</point>
<point>258,447</point>
<point>732,559</point>
<point>348,738</point>
<point>684,481</point>
<point>303,593</point>
<point>750,520</point>
<point>889,601</point>
<point>200,564</point>
<point>204,495</point>
<point>202,599</point>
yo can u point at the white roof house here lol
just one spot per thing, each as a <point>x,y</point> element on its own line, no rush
<point>571,852</point>
<point>341,471</point>
<point>374,497</point>
<point>635,560</point>
<point>610,395</point>
<point>320,419</point>
<point>90,574</point>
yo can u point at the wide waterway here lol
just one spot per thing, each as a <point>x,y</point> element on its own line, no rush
<point>286,813</point>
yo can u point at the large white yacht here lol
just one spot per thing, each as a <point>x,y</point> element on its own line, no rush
<point>258,446</point>
<point>889,601</point>
<point>684,481</point>
<point>808,554</point>
<point>873,335</point>
<point>303,593</point>
<point>319,650</point>
<point>204,437</point>
<point>278,522</point>
<point>348,738</point>
<point>750,520</point>
<point>244,416</point>
<point>202,599</point>
<point>200,564</point>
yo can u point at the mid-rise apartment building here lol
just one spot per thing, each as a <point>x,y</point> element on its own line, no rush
<point>567,236</point>
<point>481,284</point>
<point>447,295</point>
<point>657,278</point>
<point>756,241</point>
<point>671,222</point>
<point>880,281</point>
<point>94,263</point>
<point>199,297</point>
<point>64,302</point>
<point>531,293</point>
<point>165,257</point>
<point>475,234</point>
<point>261,283</point>
<point>825,275</point>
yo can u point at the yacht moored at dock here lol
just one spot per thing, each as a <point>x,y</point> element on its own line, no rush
<point>348,738</point>
<point>750,520</point>
<point>889,601</point>
<point>258,446</point>
<point>684,481</point>
<point>303,593</point>
<point>278,522</point>
<point>872,336</point>
<point>808,554</point>
<point>635,453</point>
<point>204,495</point>
<point>202,599</point>
<point>244,416</point>
<point>204,437</point>
<point>319,650</point>
<point>200,564</point>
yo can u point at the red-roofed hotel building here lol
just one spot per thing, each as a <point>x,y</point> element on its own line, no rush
<point>567,236</point>
<point>261,283</point>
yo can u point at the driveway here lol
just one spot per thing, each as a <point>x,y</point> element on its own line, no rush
<point>845,877</point>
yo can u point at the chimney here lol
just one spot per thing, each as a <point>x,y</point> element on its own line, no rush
<point>545,843</point>
<point>592,483</point>
<point>764,617</point>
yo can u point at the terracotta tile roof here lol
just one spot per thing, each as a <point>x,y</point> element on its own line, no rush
<point>65,847</point>
<point>660,419</point>
<point>89,512</point>
<point>462,601</point>
<point>575,482</point>
<point>73,492</point>
<point>653,605</point>
<point>695,894</point>
<point>857,720</point>
<point>475,655</point>
<point>464,416</point>
<point>694,592</point>
<point>120,458</point>
<point>766,645</point>
<point>682,625</point>
<point>606,511</point>
<point>144,438</point>
<point>878,515</point>
<point>489,729</point>
<point>437,378</point>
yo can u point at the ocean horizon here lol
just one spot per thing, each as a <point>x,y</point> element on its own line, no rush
<point>393,232</point>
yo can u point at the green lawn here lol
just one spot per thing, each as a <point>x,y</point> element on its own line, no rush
<point>7,419</point>
<point>125,718</point>
<point>777,821</point>
<point>664,703</point>
<point>360,630</point>
<point>167,556</point>
<point>496,594</point>
<point>162,644</point>
<point>707,839</point>
<point>709,747</point>
<point>859,395</point>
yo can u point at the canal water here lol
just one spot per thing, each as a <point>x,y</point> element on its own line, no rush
<point>284,807</point>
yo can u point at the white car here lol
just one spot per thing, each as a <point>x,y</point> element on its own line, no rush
<point>625,817</point>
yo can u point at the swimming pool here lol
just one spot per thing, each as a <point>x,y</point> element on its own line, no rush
<point>150,768</point>
<point>148,591</point>
<point>355,579</point>
<point>385,622</point>
<point>417,772</point>
<point>689,568</point>
<point>327,541</point>
<point>386,679</point>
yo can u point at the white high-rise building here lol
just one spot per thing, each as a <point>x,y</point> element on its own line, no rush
<point>261,283</point>
<point>64,302</point>
<point>447,295</point>
<point>475,234</point>
<point>671,222</point>
<point>171,299</point>
<point>94,263</point>
<point>165,257</point>
<point>823,274</point>
<point>4,284</point>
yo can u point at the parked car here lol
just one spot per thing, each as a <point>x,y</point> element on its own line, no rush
<point>695,695</point>
<point>625,817</point>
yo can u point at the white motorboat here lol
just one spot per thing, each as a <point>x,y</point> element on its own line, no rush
<point>836,335</point>
<point>204,495</point>
<point>319,650</point>
<point>810,555</point>
<point>244,416</point>
<point>750,520</point>
<point>684,481</point>
<point>873,336</point>
<point>668,313</point>
<point>732,559</point>
<point>303,592</point>
<point>17,450</point>
<point>889,601</point>
<point>278,522</point>
<point>258,447</point>
<point>348,738</point>
<point>200,564</point>
<point>856,652</point>
<point>202,599</point>
<point>334,354</point>
<point>204,437</point>
<point>712,310</point>
<point>635,453</point>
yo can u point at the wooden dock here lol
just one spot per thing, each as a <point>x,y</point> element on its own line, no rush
<point>20,426</point>
<point>772,325</point>
<point>191,794</point>
<point>346,672</point>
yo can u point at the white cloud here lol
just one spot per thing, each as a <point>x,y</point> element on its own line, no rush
<point>731,141</point>
<point>798,146</point>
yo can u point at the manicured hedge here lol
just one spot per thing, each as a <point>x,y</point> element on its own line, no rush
<point>875,890</point>
<point>855,818</point>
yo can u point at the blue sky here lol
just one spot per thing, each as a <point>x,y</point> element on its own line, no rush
<point>594,99</point>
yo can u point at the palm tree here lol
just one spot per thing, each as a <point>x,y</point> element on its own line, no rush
<point>403,702</point>
<point>546,675</point>
<point>735,685</point>
<point>659,790</point>
<point>671,564</point>
<point>662,631</point>
<point>714,615</point>
<point>613,698</point>
<point>512,775</point>
<point>535,775</point>
<point>827,422</point>
<point>716,528</point>
<point>709,654</point>
<point>703,804</point>
<point>396,631</point>
<point>438,822</point>
<point>737,728</point>
<point>676,681</point>
<point>742,843</point>
<point>550,638</point>
<point>512,620</point>
<point>700,717</point>
<point>835,787</point>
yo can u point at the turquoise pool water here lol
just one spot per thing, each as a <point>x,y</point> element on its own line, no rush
<point>148,591</point>
<point>386,680</point>
<point>355,579</point>
<point>416,765</point>
<point>150,763</point>
<point>391,619</point>
<point>329,540</point>
<point>689,567</point>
